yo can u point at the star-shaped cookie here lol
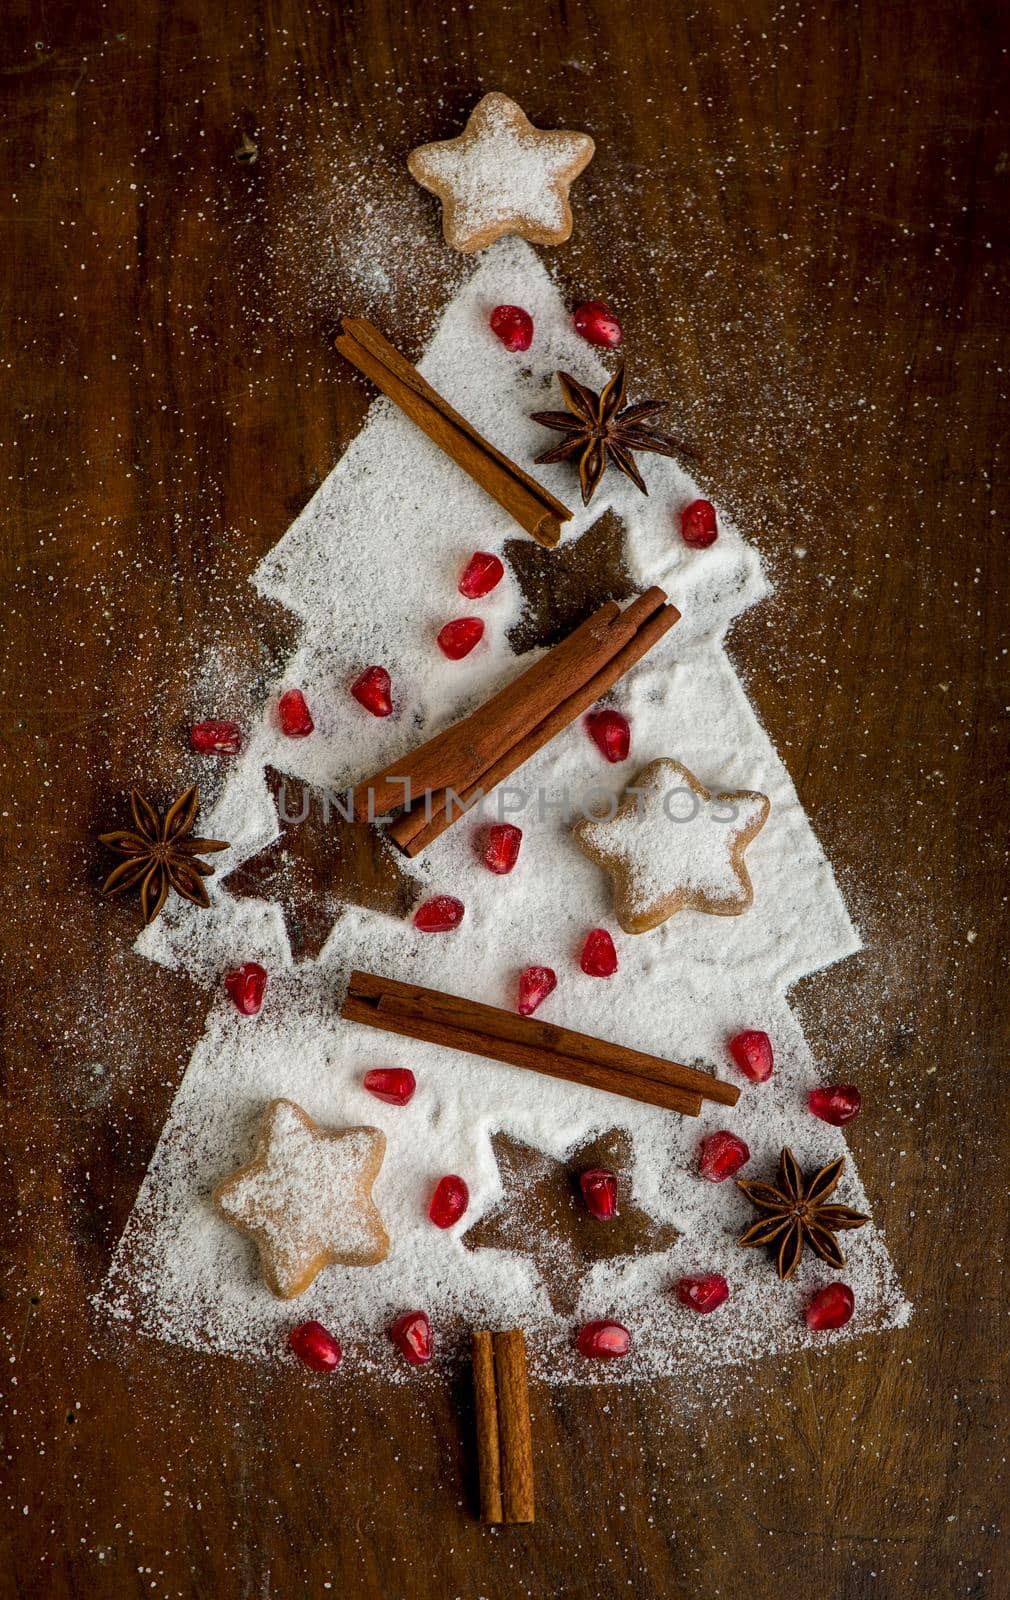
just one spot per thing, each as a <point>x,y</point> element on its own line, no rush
<point>502,175</point>
<point>306,1198</point>
<point>673,845</point>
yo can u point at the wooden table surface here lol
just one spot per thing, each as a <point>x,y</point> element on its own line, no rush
<point>800,211</point>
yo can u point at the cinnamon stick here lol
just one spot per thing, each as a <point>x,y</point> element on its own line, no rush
<point>459,1024</point>
<point>411,1025</point>
<point>413,832</point>
<point>481,750</point>
<point>535,509</point>
<point>551,1037</point>
<point>514,1430</point>
<point>488,1440</point>
<point>459,754</point>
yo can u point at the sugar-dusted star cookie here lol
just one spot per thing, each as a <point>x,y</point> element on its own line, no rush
<point>502,175</point>
<point>306,1198</point>
<point>673,845</point>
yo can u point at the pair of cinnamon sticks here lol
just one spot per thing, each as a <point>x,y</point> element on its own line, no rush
<point>504,1434</point>
<point>448,774</point>
<point>415,1012</point>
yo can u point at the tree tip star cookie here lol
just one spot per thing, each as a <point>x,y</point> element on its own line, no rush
<point>672,845</point>
<point>305,1198</point>
<point>502,175</point>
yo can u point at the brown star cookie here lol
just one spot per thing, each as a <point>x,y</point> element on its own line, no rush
<point>306,1198</point>
<point>502,175</point>
<point>673,845</point>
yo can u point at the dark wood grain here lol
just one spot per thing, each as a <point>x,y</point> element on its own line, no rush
<point>800,212</point>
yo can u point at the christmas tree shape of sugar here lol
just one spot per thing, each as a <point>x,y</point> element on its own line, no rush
<point>370,567</point>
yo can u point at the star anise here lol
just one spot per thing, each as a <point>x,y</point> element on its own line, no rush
<point>795,1214</point>
<point>160,855</point>
<point>598,430</point>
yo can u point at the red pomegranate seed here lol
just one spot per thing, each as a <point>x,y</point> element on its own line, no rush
<point>752,1052</point>
<point>698,525</point>
<point>215,738</point>
<point>411,1334</point>
<point>603,1341</point>
<point>514,327</point>
<point>599,1191</point>
<point>599,958</point>
<point>395,1085</point>
<point>501,846</point>
<point>315,1346</point>
<point>294,715</point>
<point>449,1201</point>
<point>702,1294</point>
<point>721,1155</point>
<point>837,1105</point>
<point>611,732</point>
<point>597,324</point>
<point>374,691</point>
<point>458,638</point>
<point>439,914</point>
<point>831,1307</point>
<point>246,984</point>
<point>482,573</point>
<point>535,984</point>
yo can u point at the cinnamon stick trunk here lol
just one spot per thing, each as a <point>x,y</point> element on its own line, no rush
<point>504,1432</point>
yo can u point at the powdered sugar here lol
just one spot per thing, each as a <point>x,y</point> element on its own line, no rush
<point>370,568</point>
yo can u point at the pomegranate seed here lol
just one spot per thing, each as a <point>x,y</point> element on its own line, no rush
<point>702,1294</point>
<point>514,327</point>
<point>752,1052</point>
<point>597,324</point>
<point>837,1105</point>
<point>482,573</point>
<point>449,1201</point>
<point>603,1341</point>
<point>215,738</point>
<point>599,1191</point>
<point>395,1085</point>
<point>246,984</point>
<point>599,958</point>
<point>535,984</point>
<point>411,1334</point>
<point>698,525</point>
<point>373,690</point>
<point>501,846</point>
<point>611,732</point>
<point>315,1346</point>
<point>439,914</point>
<point>831,1307</point>
<point>458,638</point>
<point>721,1155</point>
<point>294,715</point>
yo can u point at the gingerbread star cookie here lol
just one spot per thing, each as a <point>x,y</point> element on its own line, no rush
<point>306,1198</point>
<point>502,175</point>
<point>672,845</point>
